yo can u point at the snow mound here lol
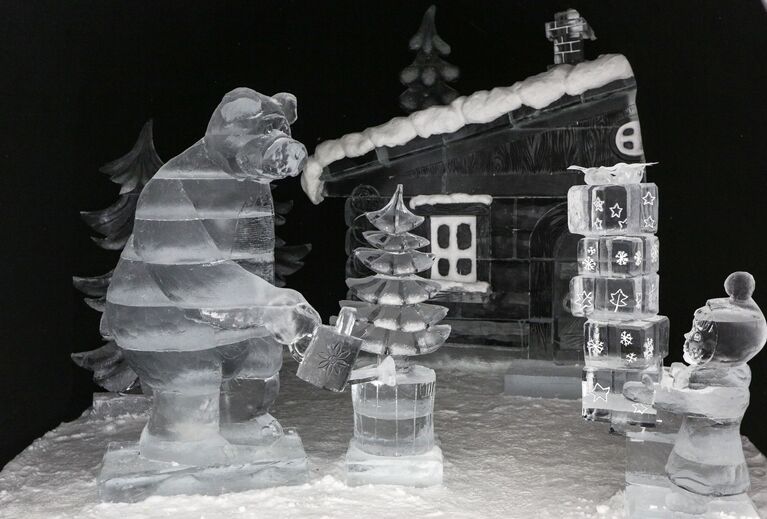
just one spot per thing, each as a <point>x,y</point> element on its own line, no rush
<point>537,92</point>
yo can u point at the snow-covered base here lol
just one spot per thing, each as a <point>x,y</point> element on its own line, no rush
<point>649,502</point>
<point>504,456</point>
<point>423,470</point>
<point>126,476</point>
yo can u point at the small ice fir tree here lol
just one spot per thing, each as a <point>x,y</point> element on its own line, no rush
<point>427,77</point>
<point>394,421</point>
<point>392,316</point>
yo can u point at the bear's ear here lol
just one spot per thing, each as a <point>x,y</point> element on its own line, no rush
<point>289,105</point>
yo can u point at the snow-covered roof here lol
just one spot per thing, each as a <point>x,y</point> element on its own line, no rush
<point>536,92</point>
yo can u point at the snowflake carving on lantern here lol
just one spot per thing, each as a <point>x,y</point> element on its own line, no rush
<point>335,359</point>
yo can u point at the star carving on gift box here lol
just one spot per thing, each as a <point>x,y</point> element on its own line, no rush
<point>649,222</point>
<point>640,408</point>
<point>585,299</point>
<point>616,211</point>
<point>598,224</point>
<point>599,392</point>
<point>648,199</point>
<point>334,359</point>
<point>599,204</point>
<point>622,223</point>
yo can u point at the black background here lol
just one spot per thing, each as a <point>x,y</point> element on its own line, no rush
<point>78,79</point>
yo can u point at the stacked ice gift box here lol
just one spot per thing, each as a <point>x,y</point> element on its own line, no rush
<point>617,290</point>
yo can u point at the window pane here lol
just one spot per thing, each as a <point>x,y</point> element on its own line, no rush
<point>443,267</point>
<point>463,266</point>
<point>463,236</point>
<point>443,237</point>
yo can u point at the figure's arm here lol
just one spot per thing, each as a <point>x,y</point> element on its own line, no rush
<point>712,401</point>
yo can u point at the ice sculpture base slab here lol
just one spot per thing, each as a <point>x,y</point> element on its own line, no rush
<point>545,380</point>
<point>422,470</point>
<point>127,477</point>
<point>649,502</point>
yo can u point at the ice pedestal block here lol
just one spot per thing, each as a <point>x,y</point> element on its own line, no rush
<point>614,298</point>
<point>126,476</point>
<point>603,401</point>
<point>613,209</point>
<point>619,255</point>
<point>419,470</point>
<point>395,420</point>
<point>635,344</point>
<point>645,501</point>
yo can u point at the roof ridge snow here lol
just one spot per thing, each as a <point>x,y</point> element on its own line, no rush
<point>538,91</point>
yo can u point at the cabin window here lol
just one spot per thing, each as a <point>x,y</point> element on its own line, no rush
<point>454,244</point>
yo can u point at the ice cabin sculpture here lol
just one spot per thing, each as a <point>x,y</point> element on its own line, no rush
<point>705,472</point>
<point>393,439</point>
<point>190,306</point>
<point>488,172</point>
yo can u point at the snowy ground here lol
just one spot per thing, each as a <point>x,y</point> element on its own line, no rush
<point>510,457</point>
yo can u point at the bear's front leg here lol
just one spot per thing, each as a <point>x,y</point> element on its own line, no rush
<point>247,395</point>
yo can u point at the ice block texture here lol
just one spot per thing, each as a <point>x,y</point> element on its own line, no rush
<point>625,344</point>
<point>613,209</point>
<point>619,255</point>
<point>602,400</point>
<point>614,298</point>
<point>396,420</point>
<point>190,300</point>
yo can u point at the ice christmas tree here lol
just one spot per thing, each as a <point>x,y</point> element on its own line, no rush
<point>393,424</point>
<point>427,77</point>
<point>617,290</point>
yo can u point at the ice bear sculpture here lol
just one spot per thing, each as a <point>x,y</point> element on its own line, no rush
<point>191,302</point>
<point>711,393</point>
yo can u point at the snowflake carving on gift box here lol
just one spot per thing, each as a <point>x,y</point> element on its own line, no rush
<point>595,346</point>
<point>626,338</point>
<point>616,210</point>
<point>585,300</point>
<point>598,204</point>
<point>648,348</point>
<point>638,258</point>
<point>334,360</point>
<point>631,357</point>
<point>621,258</point>
<point>589,264</point>
<point>618,299</point>
<point>591,250</point>
<point>648,199</point>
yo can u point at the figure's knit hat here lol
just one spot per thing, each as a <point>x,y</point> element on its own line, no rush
<point>739,323</point>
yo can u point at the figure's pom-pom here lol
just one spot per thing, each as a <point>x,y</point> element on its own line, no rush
<point>740,286</point>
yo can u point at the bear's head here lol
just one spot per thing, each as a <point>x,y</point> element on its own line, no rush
<point>249,136</point>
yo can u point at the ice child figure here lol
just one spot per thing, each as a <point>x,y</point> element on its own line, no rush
<point>191,302</point>
<point>712,395</point>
